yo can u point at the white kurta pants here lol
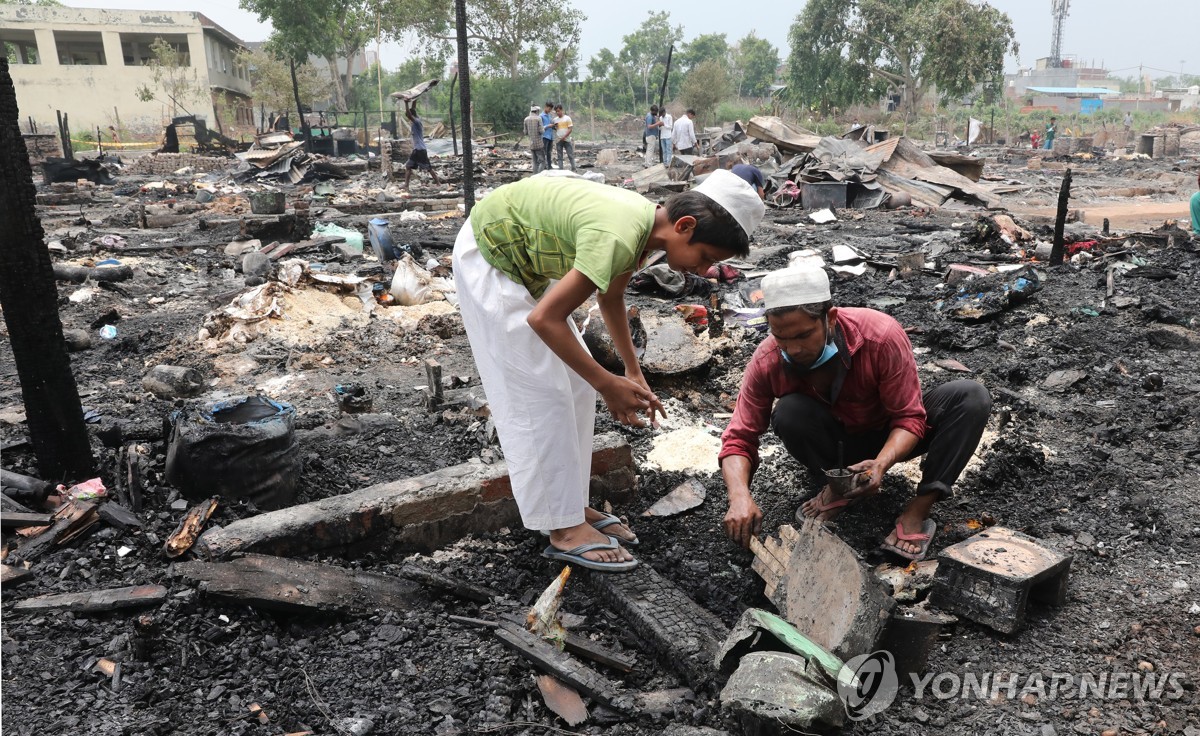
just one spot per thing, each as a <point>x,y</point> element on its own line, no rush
<point>544,412</point>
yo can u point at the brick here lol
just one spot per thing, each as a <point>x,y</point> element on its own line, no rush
<point>424,512</point>
<point>990,577</point>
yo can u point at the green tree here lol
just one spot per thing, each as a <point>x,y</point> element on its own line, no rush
<point>333,29</point>
<point>645,53</point>
<point>819,73</point>
<point>272,80</point>
<point>910,46</point>
<point>522,39</point>
<point>174,77</point>
<point>706,47</point>
<point>754,63</point>
<point>705,87</point>
<point>503,102</point>
<point>610,83</point>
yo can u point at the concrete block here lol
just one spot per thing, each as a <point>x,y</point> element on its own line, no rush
<point>424,512</point>
<point>775,693</point>
<point>990,577</point>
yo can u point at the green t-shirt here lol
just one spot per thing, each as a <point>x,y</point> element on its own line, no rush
<point>539,228</point>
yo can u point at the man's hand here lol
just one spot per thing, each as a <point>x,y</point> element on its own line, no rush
<point>869,478</point>
<point>743,520</point>
<point>626,399</point>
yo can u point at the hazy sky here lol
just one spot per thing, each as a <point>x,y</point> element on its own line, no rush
<point>1120,36</point>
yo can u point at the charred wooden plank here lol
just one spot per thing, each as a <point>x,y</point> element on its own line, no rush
<point>548,659</point>
<point>13,519</point>
<point>117,515</point>
<point>685,635</point>
<point>582,646</point>
<point>91,601</point>
<point>440,581</point>
<point>292,585</point>
<point>185,535</point>
<point>69,521</point>
<point>13,576</point>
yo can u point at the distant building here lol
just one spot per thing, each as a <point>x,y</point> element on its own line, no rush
<point>360,64</point>
<point>89,64</point>
<point>1070,74</point>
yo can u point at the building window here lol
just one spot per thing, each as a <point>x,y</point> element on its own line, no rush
<point>20,46</point>
<point>79,48</point>
<point>137,48</point>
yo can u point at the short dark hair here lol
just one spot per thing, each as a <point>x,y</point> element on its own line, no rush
<point>654,108</point>
<point>558,107</point>
<point>548,104</point>
<point>690,111</point>
<point>817,311</point>
<point>714,224</point>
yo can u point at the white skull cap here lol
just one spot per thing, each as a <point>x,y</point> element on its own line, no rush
<point>736,196</point>
<point>793,287</point>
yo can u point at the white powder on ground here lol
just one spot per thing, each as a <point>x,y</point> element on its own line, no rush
<point>691,449</point>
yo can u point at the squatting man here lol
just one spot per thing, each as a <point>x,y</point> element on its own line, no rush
<point>829,377</point>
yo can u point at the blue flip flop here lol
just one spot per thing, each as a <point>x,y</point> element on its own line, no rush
<point>609,520</point>
<point>575,556</point>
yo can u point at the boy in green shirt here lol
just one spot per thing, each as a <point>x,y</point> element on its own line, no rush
<point>529,255</point>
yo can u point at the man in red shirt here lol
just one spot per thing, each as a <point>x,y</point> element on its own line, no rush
<point>826,376</point>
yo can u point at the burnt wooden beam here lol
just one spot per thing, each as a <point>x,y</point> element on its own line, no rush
<point>280,584</point>
<point>685,636</point>
<point>548,659</point>
<point>440,581</point>
<point>582,646</point>
<point>92,601</point>
<point>69,521</point>
<point>11,577</point>
<point>15,520</point>
<point>429,510</point>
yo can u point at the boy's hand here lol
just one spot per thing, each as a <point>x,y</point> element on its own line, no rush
<point>626,399</point>
<point>656,406</point>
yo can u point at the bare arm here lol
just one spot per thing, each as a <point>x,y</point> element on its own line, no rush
<point>744,519</point>
<point>625,398</point>
<point>616,319</point>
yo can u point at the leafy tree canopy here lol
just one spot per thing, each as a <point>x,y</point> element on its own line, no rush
<point>847,51</point>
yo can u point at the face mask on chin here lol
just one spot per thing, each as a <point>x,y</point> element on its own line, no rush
<point>827,354</point>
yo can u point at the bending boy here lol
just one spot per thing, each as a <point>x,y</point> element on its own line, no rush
<point>529,255</point>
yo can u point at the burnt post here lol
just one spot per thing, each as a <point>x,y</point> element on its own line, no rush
<point>662,95</point>
<point>1064,195</point>
<point>29,298</point>
<point>464,92</point>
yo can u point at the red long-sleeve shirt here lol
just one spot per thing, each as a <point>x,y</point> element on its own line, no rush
<point>880,388</point>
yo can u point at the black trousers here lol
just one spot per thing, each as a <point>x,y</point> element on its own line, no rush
<point>548,147</point>
<point>957,413</point>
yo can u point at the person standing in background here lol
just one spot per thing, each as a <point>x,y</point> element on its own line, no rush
<point>650,135</point>
<point>548,131</point>
<point>533,129</point>
<point>1051,131</point>
<point>685,134</point>
<point>562,133</point>
<point>666,134</point>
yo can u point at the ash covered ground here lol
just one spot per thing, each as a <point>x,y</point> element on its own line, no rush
<point>1105,469</point>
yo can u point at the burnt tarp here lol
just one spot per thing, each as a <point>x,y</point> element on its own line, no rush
<point>787,138</point>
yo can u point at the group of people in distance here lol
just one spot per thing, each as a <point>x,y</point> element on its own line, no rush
<point>663,133</point>
<point>547,127</point>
